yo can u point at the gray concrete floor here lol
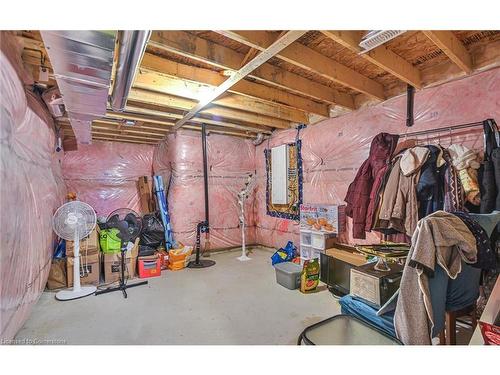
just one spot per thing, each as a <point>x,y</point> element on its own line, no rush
<point>231,303</point>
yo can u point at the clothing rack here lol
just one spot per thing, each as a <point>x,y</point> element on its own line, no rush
<point>445,129</point>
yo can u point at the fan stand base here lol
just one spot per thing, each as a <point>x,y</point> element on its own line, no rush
<point>202,263</point>
<point>122,287</point>
<point>69,294</point>
<point>243,258</point>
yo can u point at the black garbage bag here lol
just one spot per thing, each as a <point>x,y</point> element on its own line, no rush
<point>152,235</point>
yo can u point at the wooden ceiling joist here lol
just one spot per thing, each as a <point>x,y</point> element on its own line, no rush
<point>111,139</point>
<point>112,127</point>
<point>244,87</point>
<point>157,82</point>
<point>131,130</point>
<point>169,101</point>
<point>162,117</point>
<point>312,61</point>
<point>274,48</point>
<point>131,136</point>
<point>452,47</point>
<point>142,128</point>
<point>116,133</point>
<point>169,121</point>
<point>196,48</point>
<point>380,56</point>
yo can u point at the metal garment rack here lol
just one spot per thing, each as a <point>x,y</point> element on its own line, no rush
<point>445,129</point>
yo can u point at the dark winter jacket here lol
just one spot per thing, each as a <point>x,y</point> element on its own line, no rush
<point>486,257</point>
<point>490,170</point>
<point>430,187</point>
<point>362,192</point>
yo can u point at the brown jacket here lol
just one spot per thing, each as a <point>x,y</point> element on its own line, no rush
<point>399,206</point>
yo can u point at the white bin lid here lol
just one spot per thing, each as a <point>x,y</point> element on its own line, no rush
<point>288,267</point>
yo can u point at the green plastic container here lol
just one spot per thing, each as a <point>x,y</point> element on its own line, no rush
<point>109,241</point>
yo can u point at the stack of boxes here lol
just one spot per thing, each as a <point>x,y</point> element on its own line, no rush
<point>102,256</point>
<point>94,262</point>
<point>319,227</point>
<point>89,260</point>
<point>111,261</point>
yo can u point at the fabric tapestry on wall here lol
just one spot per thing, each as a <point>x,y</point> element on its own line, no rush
<point>291,210</point>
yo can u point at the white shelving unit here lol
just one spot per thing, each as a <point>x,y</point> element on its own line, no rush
<point>313,243</point>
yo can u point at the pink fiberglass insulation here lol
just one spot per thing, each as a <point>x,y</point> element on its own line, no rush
<point>105,174</point>
<point>333,150</point>
<point>230,160</point>
<point>31,190</point>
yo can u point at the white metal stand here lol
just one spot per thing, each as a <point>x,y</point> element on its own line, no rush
<point>242,196</point>
<point>78,291</point>
<point>243,256</point>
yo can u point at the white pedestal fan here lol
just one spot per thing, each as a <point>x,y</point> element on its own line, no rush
<point>242,197</point>
<point>74,221</point>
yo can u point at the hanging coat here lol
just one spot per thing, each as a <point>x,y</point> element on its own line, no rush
<point>399,208</point>
<point>430,187</point>
<point>362,192</point>
<point>466,164</point>
<point>490,169</point>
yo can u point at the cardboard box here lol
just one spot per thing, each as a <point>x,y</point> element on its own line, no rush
<point>89,269</point>
<point>145,194</point>
<point>112,264</point>
<point>88,246</point>
<point>57,274</point>
<point>322,218</point>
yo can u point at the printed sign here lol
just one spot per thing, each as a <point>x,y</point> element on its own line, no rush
<point>323,218</point>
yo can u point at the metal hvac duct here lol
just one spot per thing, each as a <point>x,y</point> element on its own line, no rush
<point>82,63</point>
<point>375,38</point>
<point>132,44</point>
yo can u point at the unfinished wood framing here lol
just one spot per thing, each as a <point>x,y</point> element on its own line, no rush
<point>271,50</point>
<point>380,56</point>
<point>172,85</point>
<point>193,47</point>
<point>310,60</point>
<point>164,100</point>
<point>452,47</point>
<point>254,90</point>
<point>183,71</point>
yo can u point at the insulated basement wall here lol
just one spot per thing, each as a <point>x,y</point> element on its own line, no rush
<point>105,174</point>
<point>31,190</point>
<point>334,149</point>
<point>230,160</point>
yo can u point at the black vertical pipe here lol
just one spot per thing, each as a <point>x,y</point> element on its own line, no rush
<point>410,98</point>
<point>205,170</point>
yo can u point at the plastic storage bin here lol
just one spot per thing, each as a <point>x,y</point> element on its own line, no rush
<point>316,253</point>
<point>149,266</point>
<point>306,251</point>
<point>288,274</point>
<point>322,241</point>
<point>305,237</point>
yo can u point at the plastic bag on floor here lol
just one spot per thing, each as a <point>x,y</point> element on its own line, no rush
<point>152,234</point>
<point>285,254</point>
